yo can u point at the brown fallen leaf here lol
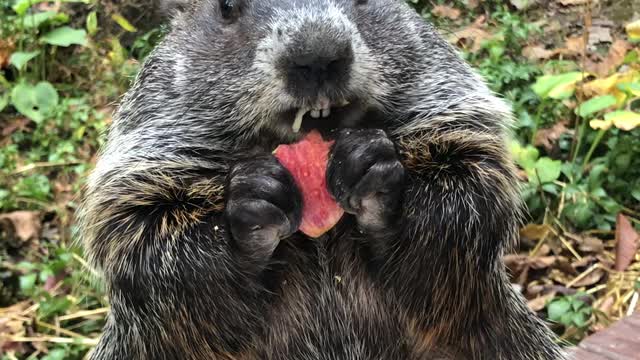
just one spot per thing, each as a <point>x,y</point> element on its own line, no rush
<point>472,4</point>
<point>584,262</point>
<point>444,11</point>
<point>12,126</point>
<point>537,52</point>
<point>606,305</point>
<point>21,226</point>
<point>515,262</point>
<point>475,34</point>
<point>6,49</point>
<point>590,244</point>
<point>542,262</point>
<point>590,279</point>
<point>535,231</point>
<point>572,2</point>
<point>548,138</point>
<point>614,59</point>
<point>538,303</point>
<point>626,243</point>
<point>574,45</point>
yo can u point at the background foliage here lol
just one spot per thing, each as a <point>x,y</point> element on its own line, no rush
<point>575,91</point>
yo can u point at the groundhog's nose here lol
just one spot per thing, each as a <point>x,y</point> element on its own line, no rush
<point>324,69</point>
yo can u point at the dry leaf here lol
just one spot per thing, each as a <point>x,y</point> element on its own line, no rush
<point>472,4</point>
<point>626,243</point>
<point>614,59</point>
<point>538,303</point>
<point>584,262</point>
<point>474,34</point>
<point>573,2</point>
<point>537,52</point>
<point>559,276</point>
<point>446,12</point>
<point>575,45</point>
<point>549,137</point>
<point>6,49</point>
<point>21,225</point>
<point>515,262</point>
<point>606,305</point>
<point>17,124</point>
<point>542,262</point>
<point>591,279</point>
<point>535,231</point>
<point>590,244</point>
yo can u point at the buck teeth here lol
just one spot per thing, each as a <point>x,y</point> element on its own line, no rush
<point>326,112</point>
<point>315,113</point>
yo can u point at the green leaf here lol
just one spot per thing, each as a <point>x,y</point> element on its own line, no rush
<point>631,88</point>
<point>577,304</point>
<point>92,23</point>
<point>56,354</point>
<point>27,282</point>
<point>525,156</point>
<point>34,187</point>
<point>4,100</point>
<point>557,308</point>
<point>65,36</point>
<point>21,6</point>
<point>545,170</point>
<point>35,20</point>
<point>124,23</point>
<point>53,306</point>
<point>35,102</point>
<point>20,59</point>
<point>557,86</point>
<point>596,104</point>
<point>579,319</point>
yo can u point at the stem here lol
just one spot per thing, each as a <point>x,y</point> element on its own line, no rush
<point>581,132</point>
<point>536,122</point>
<point>595,143</point>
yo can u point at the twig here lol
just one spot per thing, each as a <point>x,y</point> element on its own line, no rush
<point>84,313</point>
<point>55,340</point>
<point>583,275</point>
<point>37,165</point>
<point>633,303</point>
<point>84,264</point>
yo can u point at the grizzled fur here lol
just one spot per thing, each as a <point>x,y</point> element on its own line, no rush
<point>192,221</point>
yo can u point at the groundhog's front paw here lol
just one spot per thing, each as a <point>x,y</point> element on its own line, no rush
<point>263,205</point>
<point>366,177</point>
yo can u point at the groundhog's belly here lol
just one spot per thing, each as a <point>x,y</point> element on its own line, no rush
<point>327,308</point>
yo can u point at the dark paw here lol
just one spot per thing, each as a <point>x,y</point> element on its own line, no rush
<point>366,177</point>
<point>263,205</point>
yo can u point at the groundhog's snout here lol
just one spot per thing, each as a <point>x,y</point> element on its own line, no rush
<point>318,60</point>
<point>311,71</point>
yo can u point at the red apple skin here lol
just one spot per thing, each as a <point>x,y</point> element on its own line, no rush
<point>307,160</point>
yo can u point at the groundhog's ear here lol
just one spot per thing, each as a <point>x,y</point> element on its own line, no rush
<point>171,8</point>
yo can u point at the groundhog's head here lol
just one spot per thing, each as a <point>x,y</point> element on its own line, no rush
<point>259,64</point>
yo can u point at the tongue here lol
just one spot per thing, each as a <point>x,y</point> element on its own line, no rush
<point>306,160</point>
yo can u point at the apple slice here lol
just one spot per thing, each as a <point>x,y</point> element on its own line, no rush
<point>307,160</point>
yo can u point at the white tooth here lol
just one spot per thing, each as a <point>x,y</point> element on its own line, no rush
<point>326,112</point>
<point>297,122</point>
<point>315,113</point>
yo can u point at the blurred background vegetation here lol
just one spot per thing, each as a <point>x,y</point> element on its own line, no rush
<point>570,68</point>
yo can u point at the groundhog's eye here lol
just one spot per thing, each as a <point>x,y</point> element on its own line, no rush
<point>228,9</point>
<point>361,2</point>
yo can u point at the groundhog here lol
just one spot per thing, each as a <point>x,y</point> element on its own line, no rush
<point>193,222</point>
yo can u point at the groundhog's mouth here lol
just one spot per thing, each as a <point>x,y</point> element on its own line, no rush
<point>343,114</point>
